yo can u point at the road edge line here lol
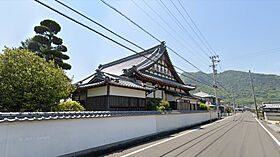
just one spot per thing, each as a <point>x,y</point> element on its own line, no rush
<point>269,133</point>
<point>150,146</point>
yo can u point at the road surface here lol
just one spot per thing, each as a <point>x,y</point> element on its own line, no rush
<point>236,136</point>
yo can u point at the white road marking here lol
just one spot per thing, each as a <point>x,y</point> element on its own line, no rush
<point>275,139</point>
<point>150,146</point>
<point>139,150</point>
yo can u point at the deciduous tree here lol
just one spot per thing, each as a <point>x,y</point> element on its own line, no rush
<point>30,83</point>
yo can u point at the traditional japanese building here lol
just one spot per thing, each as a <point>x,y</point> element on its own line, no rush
<point>129,83</point>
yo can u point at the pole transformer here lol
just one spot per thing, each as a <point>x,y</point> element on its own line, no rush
<point>215,59</point>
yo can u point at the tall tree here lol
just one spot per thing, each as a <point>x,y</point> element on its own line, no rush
<point>30,83</point>
<point>46,44</point>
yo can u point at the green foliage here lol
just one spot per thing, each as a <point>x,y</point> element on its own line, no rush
<point>163,105</point>
<point>266,86</point>
<point>29,83</point>
<point>203,106</point>
<point>153,103</point>
<point>69,106</point>
<point>24,44</point>
<point>47,45</point>
<point>157,104</point>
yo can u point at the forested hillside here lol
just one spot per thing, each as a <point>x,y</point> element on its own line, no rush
<point>267,87</point>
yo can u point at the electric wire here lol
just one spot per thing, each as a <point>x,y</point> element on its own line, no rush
<point>112,40</point>
<point>105,36</point>
<point>178,23</point>
<point>111,31</point>
<point>184,43</point>
<point>100,25</point>
<point>203,42</point>
<point>119,12</point>
<point>197,28</point>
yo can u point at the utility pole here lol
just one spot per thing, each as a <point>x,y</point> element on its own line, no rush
<point>233,99</point>
<point>214,60</point>
<point>253,92</point>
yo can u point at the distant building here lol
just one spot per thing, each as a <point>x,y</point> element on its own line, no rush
<point>129,83</point>
<point>209,100</point>
<point>271,110</point>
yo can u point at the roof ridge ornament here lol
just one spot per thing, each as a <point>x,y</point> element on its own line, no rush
<point>100,66</point>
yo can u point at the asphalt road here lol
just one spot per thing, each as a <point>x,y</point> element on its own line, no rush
<point>235,136</point>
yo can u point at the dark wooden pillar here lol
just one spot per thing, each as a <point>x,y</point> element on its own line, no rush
<point>108,96</point>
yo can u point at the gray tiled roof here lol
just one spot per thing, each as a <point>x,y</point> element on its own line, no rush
<point>139,60</point>
<point>271,105</point>
<point>38,116</point>
<point>116,80</point>
<point>204,95</point>
<point>126,66</point>
<point>169,81</point>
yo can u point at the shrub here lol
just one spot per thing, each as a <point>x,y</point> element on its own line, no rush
<point>203,106</point>
<point>157,104</point>
<point>69,106</point>
<point>153,103</point>
<point>30,83</point>
<point>163,105</point>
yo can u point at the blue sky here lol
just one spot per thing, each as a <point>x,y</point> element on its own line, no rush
<point>245,33</point>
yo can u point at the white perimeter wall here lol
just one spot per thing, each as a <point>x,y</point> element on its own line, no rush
<point>49,138</point>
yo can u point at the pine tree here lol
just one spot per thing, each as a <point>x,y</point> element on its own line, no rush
<point>47,45</point>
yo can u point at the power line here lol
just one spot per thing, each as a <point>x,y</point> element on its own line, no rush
<point>84,25</point>
<point>182,27</point>
<point>191,26</point>
<point>194,31</point>
<point>100,25</point>
<point>167,24</point>
<point>152,36</point>
<point>129,20</point>
<point>112,40</point>
<point>185,44</point>
<point>148,33</point>
<point>208,45</point>
<point>185,30</point>
<point>109,30</point>
<point>201,34</point>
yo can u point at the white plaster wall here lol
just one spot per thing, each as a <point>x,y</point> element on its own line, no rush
<point>49,138</point>
<point>170,97</point>
<point>58,137</point>
<point>127,92</point>
<point>97,91</point>
<point>151,95</point>
<point>158,94</point>
<point>175,121</point>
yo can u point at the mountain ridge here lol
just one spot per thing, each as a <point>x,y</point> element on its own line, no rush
<point>267,86</point>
